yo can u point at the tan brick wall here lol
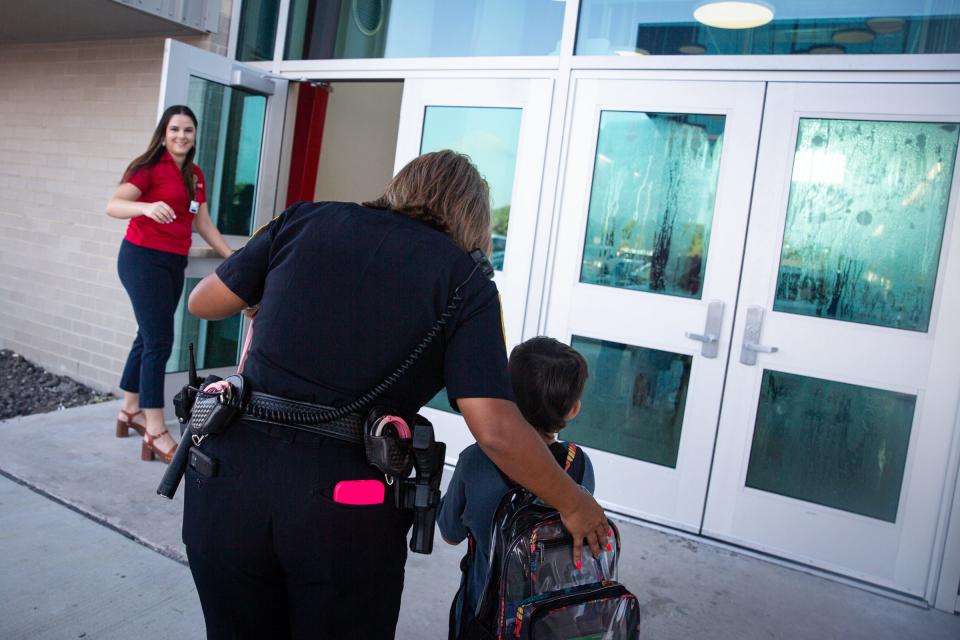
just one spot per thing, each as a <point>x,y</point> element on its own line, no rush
<point>72,115</point>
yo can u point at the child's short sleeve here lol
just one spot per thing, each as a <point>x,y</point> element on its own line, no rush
<point>454,501</point>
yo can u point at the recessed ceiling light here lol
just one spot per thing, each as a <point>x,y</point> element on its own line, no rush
<point>886,25</point>
<point>853,36</point>
<point>692,49</point>
<point>827,50</point>
<point>733,15</point>
<point>632,52</point>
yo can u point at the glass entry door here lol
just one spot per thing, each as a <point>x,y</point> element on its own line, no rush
<point>502,125</point>
<point>240,113</point>
<point>833,450</point>
<point>655,196</point>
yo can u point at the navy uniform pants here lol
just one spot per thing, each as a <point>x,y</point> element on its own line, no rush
<point>274,557</point>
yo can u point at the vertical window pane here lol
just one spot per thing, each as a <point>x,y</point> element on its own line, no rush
<point>229,139</point>
<point>865,220</point>
<point>490,136</point>
<point>651,204</point>
<point>838,445</point>
<point>258,29</point>
<point>634,401</point>
<point>668,27</point>
<point>322,29</point>
<point>216,343</point>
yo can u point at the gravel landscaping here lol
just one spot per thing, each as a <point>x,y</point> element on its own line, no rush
<point>26,388</point>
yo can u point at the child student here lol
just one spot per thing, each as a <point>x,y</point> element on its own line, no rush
<point>548,378</point>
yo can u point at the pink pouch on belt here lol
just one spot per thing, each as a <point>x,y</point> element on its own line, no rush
<point>359,492</point>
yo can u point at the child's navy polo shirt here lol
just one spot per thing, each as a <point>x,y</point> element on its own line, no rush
<point>346,292</point>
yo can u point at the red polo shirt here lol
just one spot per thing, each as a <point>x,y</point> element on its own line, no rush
<point>164,182</point>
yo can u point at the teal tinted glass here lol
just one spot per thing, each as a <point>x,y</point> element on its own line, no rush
<point>838,445</point>
<point>490,136</point>
<point>865,219</point>
<point>634,401</point>
<point>668,27</point>
<point>229,139</point>
<point>323,29</point>
<point>216,343</point>
<point>651,203</point>
<point>258,29</point>
<point>440,402</point>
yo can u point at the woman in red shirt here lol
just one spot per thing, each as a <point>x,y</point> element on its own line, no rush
<point>163,195</point>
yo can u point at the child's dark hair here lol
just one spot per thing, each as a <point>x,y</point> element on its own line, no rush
<point>548,378</point>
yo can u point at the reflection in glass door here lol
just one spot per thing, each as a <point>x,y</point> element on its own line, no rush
<point>502,126</point>
<point>833,449</point>
<point>653,215</point>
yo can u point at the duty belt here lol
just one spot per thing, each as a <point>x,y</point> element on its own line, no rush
<point>264,407</point>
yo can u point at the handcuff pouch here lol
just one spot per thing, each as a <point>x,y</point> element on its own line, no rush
<point>386,442</point>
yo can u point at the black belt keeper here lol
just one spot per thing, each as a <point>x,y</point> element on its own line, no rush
<point>270,409</point>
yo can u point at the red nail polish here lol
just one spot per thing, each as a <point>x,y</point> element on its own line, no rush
<point>610,533</point>
<point>579,564</point>
<point>609,548</point>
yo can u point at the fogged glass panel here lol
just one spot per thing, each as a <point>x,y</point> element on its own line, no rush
<point>865,220</point>
<point>651,205</point>
<point>838,445</point>
<point>633,402</point>
<point>321,29</point>
<point>784,27</point>
<point>229,138</point>
<point>258,29</point>
<point>216,343</point>
<point>490,136</point>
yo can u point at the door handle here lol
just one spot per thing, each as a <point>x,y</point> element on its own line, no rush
<point>751,337</point>
<point>711,332</point>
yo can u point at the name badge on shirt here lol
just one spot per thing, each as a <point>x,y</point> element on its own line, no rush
<point>194,206</point>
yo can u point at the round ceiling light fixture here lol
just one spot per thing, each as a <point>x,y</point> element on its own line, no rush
<point>692,49</point>
<point>853,36</point>
<point>886,25</point>
<point>827,50</point>
<point>733,15</point>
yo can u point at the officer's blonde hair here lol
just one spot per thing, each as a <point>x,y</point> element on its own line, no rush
<point>447,192</point>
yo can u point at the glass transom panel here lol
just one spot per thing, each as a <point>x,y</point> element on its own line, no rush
<point>322,29</point>
<point>798,27</point>
<point>830,443</point>
<point>865,219</point>
<point>652,200</point>
<point>490,136</point>
<point>633,402</point>
<point>229,140</point>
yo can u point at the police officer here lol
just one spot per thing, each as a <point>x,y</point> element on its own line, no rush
<point>344,293</point>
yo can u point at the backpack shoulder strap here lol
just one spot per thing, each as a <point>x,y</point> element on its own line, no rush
<point>575,463</point>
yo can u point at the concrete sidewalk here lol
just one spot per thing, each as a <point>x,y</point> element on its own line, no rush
<point>63,575</point>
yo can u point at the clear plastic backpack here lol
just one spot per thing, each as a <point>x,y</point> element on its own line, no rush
<point>533,589</point>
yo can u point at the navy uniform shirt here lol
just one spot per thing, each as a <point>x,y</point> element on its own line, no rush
<point>346,292</point>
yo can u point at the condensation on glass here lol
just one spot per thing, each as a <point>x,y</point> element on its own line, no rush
<point>634,401</point>
<point>258,29</point>
<point>229,139</point>
<point>490,136</point>
<point>667,27</point>
<point>331,29</point>
<point>834,444</point>
<point>216,343</point>
<point>652,200</point>
<point>865,220</point>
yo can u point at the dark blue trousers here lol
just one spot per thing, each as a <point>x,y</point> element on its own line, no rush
<point>154,281</point>
<point>273,556</point>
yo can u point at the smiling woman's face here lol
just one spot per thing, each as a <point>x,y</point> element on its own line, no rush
<point>180,137</point>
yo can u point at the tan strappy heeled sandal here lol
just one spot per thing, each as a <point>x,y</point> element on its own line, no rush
<point>149,451</point>
<point>124,426</point>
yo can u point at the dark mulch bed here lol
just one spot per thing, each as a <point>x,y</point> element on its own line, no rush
<point>26,388</point>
